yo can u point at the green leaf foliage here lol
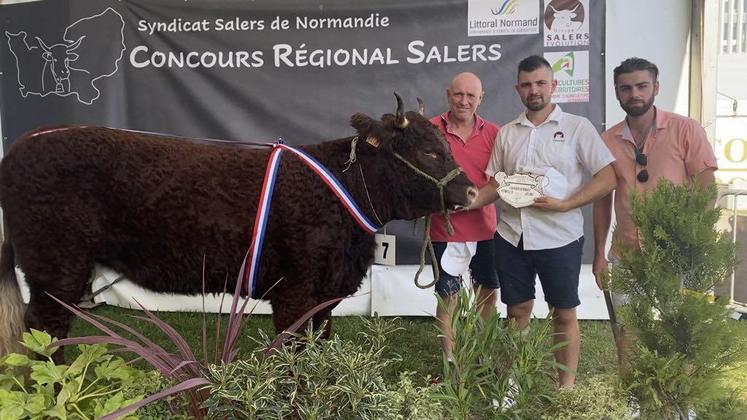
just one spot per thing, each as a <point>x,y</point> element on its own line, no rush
<point>498,371</point>
<point>310,378</point>
<point>597,397</point>
<point>88,388</point>
<point>684,338</point>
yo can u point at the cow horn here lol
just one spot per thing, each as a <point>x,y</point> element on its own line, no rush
<point>401,119</point>
<point>574,9</point>
<point>42,44</point>
<point>421,107</point>
<point>75,44</point>
<point>554,9</point>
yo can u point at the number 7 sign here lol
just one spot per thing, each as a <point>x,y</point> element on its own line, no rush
<point>385,249</point>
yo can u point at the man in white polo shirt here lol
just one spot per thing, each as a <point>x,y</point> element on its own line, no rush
<point>546,239</point>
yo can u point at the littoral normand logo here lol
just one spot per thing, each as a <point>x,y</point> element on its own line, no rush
<point>90,49</point>
<point>505,7</point>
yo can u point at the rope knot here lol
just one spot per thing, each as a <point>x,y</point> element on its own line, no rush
<point>353,154</point>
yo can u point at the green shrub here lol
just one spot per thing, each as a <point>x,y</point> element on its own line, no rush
<point>599,397</point>
<point>498,371</point>
<point>93,385</point>
<point>310,378</point>
<point>685,341</point>
<point>168,408</point>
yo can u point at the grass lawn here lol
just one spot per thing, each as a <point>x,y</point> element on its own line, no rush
<point>416,342</point>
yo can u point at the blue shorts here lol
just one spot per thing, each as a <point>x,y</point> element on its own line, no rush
<point>482,268</point>
<point>558,270</point>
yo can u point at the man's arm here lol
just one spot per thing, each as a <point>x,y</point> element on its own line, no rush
<point>600,185</point>
<point>485,195</point>
<point>602,218</point>
<point>705,178</point>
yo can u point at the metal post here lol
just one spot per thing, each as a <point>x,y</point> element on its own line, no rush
<point>735,197</point>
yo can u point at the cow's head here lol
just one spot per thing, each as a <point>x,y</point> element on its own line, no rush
<point>58,57</point>
<point>415,158</point>
<point>564,17</point>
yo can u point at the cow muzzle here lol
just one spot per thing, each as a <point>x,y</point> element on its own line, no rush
<point>471,195</point>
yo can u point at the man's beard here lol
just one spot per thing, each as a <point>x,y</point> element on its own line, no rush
<point>638,110</point>
<point>535,106</point>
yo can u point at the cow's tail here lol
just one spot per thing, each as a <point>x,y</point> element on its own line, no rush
<point>12,307</point>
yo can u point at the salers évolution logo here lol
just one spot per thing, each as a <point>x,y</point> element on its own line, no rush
<point>566,23</point>
<point>502,17</point>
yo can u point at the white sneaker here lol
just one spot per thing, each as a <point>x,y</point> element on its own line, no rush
<point>508,399</point>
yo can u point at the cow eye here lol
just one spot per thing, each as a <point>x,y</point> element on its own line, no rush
<point>431,155</point>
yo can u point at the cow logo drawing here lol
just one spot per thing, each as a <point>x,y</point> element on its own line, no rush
<point>90,49</point>
<point>564,15</point>
<point>566,23</point>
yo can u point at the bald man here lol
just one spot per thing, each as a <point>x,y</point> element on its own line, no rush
<point>470,250</point>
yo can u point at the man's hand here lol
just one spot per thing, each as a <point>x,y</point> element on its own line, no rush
<point>601,273</point>
<point>551,204</point>
<point>485,195</point>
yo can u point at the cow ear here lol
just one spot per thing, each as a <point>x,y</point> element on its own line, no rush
<point>365,125</point>
<point>47,56</point>
<point>72,56</point>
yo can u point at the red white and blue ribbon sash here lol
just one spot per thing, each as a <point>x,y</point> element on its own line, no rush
<point>265,201</point>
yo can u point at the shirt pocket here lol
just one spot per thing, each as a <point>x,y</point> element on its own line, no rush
<point>560,155</point>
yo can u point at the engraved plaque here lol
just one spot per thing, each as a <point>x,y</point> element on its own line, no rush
<point>520,190</point>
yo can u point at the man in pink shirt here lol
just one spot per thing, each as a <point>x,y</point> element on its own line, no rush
<point>649,145</point>
<point>471,247</point>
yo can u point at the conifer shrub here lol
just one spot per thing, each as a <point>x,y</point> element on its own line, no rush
<point>684,340</point>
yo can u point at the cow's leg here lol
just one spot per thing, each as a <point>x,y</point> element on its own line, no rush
<point>65,279</point>
<point>288,306</point>
<point>325,316</point>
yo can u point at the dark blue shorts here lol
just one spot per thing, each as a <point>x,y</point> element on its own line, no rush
<point>558,270</point>
<point>482,268</point>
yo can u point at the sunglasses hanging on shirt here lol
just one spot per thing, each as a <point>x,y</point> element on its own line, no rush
<point>641,159</point>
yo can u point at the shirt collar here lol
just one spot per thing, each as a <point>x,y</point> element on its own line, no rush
<point>661,120</point>
<point>556,115</point>
<point>479,122</point>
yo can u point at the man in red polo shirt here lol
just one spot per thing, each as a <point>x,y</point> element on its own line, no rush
<point>471,248</point>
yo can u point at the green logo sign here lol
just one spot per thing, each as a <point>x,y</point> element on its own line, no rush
<point>565,63</point>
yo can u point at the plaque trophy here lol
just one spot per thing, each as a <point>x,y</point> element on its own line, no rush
<point>520,190</point>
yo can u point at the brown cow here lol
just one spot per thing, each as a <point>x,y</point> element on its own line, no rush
<point>151,207</point>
